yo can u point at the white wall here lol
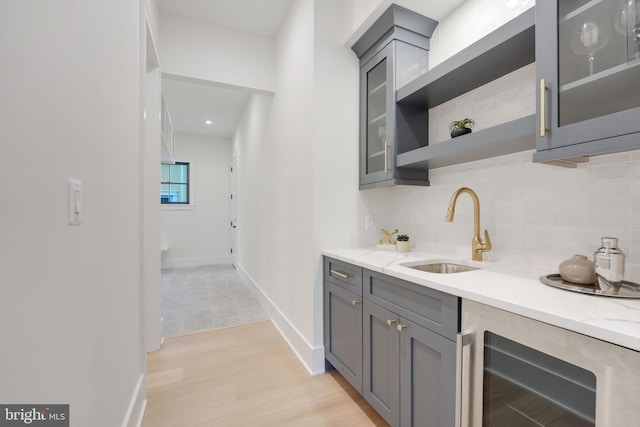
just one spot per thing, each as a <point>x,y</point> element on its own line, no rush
<point>199,234</point>
<point>70,304</point>
<point>195,50</point>
<point>274,145</point>
<point>471,21</point>
<point>150,240</point>
<point>298,176</point>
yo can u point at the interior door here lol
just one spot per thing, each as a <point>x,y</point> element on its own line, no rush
<point>233,210</point>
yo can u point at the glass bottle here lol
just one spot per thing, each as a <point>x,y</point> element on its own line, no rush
<point>609,264</point>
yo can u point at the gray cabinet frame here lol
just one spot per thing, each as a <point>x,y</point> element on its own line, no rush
<point>427,377</point>
<point>402,38</point>
<point>381,362</point>
<point>409,372</point>
<point>607,134</point>
<point>342,309</point>
<point>384,175</point>
<point>406,374</point>
<point>343,333</point>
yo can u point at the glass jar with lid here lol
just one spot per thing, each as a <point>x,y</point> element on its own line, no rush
<point>609,263</point>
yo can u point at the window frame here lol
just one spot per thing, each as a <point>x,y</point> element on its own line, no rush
<point>187,184</point>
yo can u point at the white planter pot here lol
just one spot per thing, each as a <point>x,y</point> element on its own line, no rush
<point>403,246</point>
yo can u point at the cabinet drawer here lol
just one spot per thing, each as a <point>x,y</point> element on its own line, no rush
<point>435,310</point>
<point>347,276</point>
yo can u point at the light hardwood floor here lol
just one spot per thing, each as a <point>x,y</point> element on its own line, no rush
<point>245,376</point>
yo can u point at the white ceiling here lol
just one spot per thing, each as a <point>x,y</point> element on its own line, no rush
<point>261,17</point>
<point>190,104</point>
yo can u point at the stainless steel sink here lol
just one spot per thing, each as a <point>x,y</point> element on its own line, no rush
<point>442,267</point>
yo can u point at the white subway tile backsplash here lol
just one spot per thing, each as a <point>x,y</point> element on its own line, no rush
<point>537,215</point>
<point>610,220</point>
<point>635,168</point>
<point>610,171</point>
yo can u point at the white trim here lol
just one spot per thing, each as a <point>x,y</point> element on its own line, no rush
<point>194,262</point>
<point>172,207</point>
<point>312,358</point>
<point>135,412</point>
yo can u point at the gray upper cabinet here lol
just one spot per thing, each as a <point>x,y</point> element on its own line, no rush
<point>394,51</point>
<point>588,69</point>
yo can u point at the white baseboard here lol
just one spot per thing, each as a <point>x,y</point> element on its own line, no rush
<point>195,262</point>
<point>312,358</point>
<point>135,412</point>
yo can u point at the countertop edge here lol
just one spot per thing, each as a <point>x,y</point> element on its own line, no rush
<point>592,316</point>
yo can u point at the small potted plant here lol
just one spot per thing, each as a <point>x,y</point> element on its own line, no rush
<point>402,245</point>
<point>461,127</point>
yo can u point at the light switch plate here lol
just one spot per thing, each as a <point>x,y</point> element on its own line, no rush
<point>369,223</point>
<point>75,202</point>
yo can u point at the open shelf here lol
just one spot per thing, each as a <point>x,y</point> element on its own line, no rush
<point>510,47</point>
<point>511,137</point>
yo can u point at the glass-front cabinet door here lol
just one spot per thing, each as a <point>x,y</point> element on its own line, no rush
<point>588,66</point>
<point>377,156</point>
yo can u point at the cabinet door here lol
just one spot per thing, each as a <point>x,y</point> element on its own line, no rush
<point>381,362</point>
<point>427,377</point>
<point>587,53</point>
<point>343,333</point>
<point>377,118</point>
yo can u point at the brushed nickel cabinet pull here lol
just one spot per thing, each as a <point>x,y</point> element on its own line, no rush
<point>337,273</point>
<point>543,107</point>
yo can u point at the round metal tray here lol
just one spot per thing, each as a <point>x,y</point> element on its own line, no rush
<point>626,289</point>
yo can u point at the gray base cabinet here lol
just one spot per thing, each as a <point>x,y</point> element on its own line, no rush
<point>381,362</point>
<point>394,341</point>
<point>343,319</point>
<point>409,369</point>
<point>427,372</point>
<point>343,333</point>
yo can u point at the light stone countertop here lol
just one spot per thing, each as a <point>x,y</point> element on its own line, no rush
<point>515,289</point>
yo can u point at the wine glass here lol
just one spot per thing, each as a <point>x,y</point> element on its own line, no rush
<point>589,37</point>
<point>626,12</point>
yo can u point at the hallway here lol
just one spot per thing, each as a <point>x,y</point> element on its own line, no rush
<point>206,297</point>
<point>245,376</point>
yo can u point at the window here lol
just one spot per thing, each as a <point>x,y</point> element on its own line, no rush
<point>174,185</point>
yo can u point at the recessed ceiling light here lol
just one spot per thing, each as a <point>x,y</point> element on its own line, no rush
<point>208,122</point>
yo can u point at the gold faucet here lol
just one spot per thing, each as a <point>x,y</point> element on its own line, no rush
<point>389,236</point>
<point>477,247</point>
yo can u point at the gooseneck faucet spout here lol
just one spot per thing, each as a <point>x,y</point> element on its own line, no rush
<point>477,246</point>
